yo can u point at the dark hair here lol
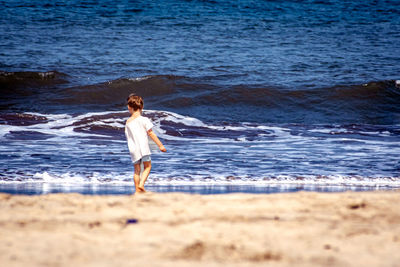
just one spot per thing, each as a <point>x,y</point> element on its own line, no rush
<point>135,102</point>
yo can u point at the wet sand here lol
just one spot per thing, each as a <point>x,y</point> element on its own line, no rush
<point>174,229</point>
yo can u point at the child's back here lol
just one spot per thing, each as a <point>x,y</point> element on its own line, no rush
<point>137,137</point>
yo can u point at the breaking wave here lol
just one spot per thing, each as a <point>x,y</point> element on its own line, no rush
<point>370,103</point>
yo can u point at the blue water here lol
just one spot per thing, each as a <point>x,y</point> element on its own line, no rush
<point>254,96</point>
<point>280,43</point>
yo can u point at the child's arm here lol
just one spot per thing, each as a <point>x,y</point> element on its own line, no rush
<point>154,137</point>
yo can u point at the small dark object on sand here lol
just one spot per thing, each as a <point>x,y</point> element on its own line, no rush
<point>130,221</point>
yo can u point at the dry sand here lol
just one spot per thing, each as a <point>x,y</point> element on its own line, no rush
<point>294,229</point>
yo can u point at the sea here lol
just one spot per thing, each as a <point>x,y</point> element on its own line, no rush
<point>251,96</point>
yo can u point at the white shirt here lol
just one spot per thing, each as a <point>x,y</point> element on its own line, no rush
<point>138,140</point>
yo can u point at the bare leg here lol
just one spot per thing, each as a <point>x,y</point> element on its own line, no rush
<point>145,174</point>
<point>136,177</point>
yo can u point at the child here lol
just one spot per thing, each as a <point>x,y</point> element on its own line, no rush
<point>137,130</point>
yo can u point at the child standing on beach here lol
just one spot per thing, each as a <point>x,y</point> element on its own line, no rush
<point>137,130</point>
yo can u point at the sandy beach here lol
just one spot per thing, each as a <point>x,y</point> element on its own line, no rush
<point>174,229</point>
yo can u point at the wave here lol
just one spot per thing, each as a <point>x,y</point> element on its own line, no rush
<point>373,103</point>
<point>116,91</point>
<point>174,126</point>
<point>123,179</point>
<point>10,81</point>
<point>179,91</point>
<point>24,90</point>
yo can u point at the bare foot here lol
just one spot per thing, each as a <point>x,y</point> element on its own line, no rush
<point>141,189</point>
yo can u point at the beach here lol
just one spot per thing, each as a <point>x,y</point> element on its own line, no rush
<point>281,121</point>
<point>177,229</point>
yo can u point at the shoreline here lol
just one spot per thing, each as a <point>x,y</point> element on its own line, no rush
<point>204,188</point>
<point>164,229</point>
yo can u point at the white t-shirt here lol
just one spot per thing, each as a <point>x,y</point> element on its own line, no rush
<point>136,135</point>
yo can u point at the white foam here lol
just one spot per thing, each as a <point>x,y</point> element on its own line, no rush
<point>62,125</point>
<point>76,179</point>
<point>138,79</point>
<point>217,180</point>
<point>329,131</point>
<point>57,125</point>
<point>177,118</point>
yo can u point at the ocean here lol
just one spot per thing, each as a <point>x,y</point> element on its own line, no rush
<point>247,96</point>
